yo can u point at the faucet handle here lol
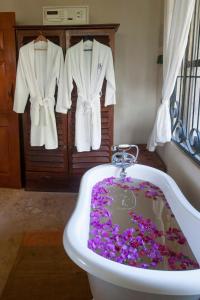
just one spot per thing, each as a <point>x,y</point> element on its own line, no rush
<point>124,159</point>
<point>114,148</point>
<point>136,151</point>
<point>126,147</point>
<point>121,147</point>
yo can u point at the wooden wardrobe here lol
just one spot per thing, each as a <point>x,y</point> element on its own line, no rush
<point>62,168</point>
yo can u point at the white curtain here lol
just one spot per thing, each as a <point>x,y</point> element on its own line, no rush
<point>178,15</point>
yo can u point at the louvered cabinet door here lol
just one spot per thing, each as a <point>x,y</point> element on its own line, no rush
<point>80,162</point>
<point>62,168</point>
<point>44,169</point>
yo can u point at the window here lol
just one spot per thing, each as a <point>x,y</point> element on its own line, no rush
<point>185,100</point>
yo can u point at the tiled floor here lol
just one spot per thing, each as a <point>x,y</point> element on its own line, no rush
<point>22,212</point>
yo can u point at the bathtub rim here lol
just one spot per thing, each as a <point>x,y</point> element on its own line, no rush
<point>145,280</point>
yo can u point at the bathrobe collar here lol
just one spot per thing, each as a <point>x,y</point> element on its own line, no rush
<point>31,51</point>
<point>94,63</point>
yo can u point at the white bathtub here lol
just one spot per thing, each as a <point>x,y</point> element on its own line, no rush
<point>113,281</point>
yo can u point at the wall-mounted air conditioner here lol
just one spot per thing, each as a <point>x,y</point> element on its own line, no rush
<point>65,15</point>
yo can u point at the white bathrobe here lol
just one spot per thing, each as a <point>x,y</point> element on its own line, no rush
<point>88,69</point>
<point>38,72</point>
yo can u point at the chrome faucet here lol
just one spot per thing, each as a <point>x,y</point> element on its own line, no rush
<point>123,159</point>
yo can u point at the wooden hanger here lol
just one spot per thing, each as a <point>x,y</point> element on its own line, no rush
<point>88,38</point>
<point>40,38</point>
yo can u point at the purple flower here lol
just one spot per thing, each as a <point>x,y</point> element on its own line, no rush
<point>139,245</point>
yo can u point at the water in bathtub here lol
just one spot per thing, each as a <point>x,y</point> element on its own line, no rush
<point>131,223</point>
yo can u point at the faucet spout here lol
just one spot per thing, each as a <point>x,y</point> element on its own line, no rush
<point>124,159</point>
<point>123,173</point>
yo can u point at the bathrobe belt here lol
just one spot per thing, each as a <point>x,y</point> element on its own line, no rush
<point>87,104</point>
<point>38,104</point>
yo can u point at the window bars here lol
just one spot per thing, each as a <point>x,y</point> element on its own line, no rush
<point>185,100</point>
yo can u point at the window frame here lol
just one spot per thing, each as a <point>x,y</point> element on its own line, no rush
<point>186,95</point>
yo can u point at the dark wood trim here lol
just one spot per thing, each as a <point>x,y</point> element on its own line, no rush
<point>114,27</point>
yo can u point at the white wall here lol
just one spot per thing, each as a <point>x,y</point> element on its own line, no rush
<point>136,54</point>
<point>184,170</point>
